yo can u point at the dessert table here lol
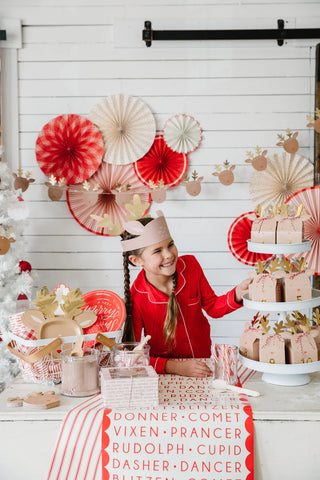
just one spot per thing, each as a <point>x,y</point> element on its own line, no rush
<point>286,428</point>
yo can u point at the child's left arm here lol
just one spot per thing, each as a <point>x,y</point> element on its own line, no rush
<point>242,289</point>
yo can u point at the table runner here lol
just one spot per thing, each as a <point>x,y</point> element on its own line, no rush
<point>77,455</point>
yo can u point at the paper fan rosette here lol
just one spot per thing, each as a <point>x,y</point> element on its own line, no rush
<point>161,164</point>
<point>284,175</point>
<point>310,199</point>
<point>239,233</point>
<point>127,125</point>
<point>83,204</point>
<point>69,147</point>
<point>182,133</point>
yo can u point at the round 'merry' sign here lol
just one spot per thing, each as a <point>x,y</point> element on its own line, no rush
<point>110,310</point>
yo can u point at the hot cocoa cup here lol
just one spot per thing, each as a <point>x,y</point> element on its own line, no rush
<point>79,375</point>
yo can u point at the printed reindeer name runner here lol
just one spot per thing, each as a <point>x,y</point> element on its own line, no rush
<point>196,433</point>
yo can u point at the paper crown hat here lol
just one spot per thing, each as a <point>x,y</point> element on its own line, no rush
<point>153,232</point>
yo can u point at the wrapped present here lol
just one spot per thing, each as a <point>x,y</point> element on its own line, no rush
<point>266,287</point>
<point>129,387</point>
<point>301,347</point>
<point>263,230</point>
<point>290,230</point>
<point>297,286</point>
<point>249,342</point>
<point>272,348</point>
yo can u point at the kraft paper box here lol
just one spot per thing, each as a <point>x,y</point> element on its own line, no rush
<point>130,387</point>
<point>265,287</point>
<point>290,230</point>
<point>263,230</point>
<point>301,347</point>
<point>297,286</point>
<point>249,342</point>
<point>316,328</point>
<point>272,349</point>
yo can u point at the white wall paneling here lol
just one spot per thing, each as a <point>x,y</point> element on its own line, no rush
<point>242,93</point>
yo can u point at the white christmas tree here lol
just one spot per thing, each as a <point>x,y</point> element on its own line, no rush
<point>13,282</point>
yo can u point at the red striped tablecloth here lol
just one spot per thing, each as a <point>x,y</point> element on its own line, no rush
<point>77,455</point>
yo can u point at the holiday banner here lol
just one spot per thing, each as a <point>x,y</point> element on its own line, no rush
<point>196,433</point>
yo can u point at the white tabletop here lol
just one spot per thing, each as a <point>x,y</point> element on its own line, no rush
<point>275,403</point>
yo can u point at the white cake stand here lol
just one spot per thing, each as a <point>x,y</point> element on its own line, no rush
<point>282,374</point>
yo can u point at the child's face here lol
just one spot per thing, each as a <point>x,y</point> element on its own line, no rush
<point>158,259</point>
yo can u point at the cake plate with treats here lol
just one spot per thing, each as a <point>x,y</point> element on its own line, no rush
<point>282,374</point>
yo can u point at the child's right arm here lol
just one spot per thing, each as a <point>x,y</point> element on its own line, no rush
<point>190,367</point>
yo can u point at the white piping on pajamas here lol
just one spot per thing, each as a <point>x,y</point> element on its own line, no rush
<point>230,306</point>
<point>185,327</point>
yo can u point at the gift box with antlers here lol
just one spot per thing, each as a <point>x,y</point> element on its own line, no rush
<point>291,341</point>
<point>266,285</point>
<point>296,282</point>
<point>278,224</point>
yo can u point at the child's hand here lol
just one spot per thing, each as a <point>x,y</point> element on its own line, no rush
<point>188,368</point>
<point>242,288</point>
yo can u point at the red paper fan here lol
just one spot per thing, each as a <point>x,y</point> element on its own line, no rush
<point>239,233</point>
<point>69,147</point>
<point>310,198</point>
<point>83,204</point>
<point>161,163</point>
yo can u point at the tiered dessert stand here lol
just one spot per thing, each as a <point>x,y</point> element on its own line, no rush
<point>282,374</point>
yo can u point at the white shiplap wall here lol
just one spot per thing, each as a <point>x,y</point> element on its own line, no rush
<point>242,93</point>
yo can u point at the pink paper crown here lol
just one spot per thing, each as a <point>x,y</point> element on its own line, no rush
<point>154,232</point>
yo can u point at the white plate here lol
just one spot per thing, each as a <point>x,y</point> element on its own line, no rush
<point>283,306</point>
<point>286,374</point>
<point>279,248</point>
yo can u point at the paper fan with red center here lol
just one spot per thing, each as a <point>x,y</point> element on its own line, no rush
<point>239,233</point>
<point>310,199</point>
<point>69,147</point>
<point>161,163</point>
<point>83,203</point>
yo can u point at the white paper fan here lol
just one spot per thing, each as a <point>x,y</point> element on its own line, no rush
<point>284,175</point>
<point>182,133</point>
<point>127,125</point>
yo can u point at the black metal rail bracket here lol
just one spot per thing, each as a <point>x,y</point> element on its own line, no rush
<point>279,34</point>
<point>3,35</point>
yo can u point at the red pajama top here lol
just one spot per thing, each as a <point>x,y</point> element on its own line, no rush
<point>193,293</point>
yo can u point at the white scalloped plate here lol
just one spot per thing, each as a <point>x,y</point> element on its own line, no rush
<point>286,374</point>
<point>279,248</point>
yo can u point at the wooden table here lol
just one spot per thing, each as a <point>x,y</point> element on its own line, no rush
<point>286,423</point>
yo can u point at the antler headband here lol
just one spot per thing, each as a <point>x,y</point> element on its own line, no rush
<point>154,232</point>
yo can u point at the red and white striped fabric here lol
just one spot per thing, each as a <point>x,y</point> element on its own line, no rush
<point>77,454</point>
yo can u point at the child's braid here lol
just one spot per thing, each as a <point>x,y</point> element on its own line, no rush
<point>170,323</point>
<point>128,334</point>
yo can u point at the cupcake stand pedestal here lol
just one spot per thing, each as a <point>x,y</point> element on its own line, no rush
<point>282,374</point>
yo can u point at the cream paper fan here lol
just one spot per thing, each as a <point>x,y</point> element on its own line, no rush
<point>182,133</point>
<point>284,175</point>
<point>127,125</point>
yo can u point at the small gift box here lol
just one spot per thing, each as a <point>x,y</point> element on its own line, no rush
<point>129,387</point>
<point>265,287</point>
<point>249,342</point>
<point>272,349</point>
<point>297,286</point>
<point>290,230</point>
<point>263,230</point>
<point>301,347</point>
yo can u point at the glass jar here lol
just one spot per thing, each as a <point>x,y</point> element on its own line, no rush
<point>124,356</point>
<point>79,375</point>
<point>226,357</point>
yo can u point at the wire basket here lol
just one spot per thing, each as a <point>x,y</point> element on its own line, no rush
<point>39,359</point>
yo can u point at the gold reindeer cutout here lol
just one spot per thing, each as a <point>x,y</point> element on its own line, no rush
<point>46,302</point>
<point>264,324</point>
<point>316,316</point>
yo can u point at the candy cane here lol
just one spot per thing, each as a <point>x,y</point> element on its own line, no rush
<point>226,355</point>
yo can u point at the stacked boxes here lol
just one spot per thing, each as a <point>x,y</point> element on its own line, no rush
<point>129,387</point>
